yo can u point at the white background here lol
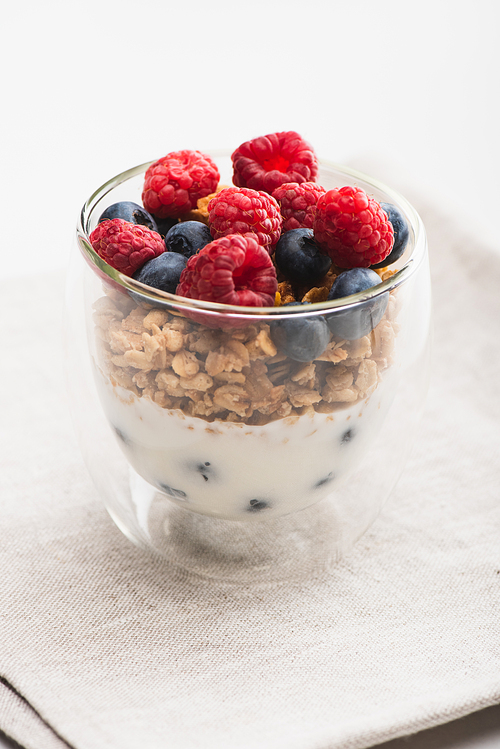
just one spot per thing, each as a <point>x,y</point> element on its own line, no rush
<point>92,88</point>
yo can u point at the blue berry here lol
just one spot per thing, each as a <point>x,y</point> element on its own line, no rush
<point>174,493</point>
<point>357,322</point>
<point>131,212</point>
<point>299,258</point>
<point>401,234</point>
<point>165,224</point>
<point>347,437</point>
<point>326,480</point>
<point>255,505</point>
<point>187,237</point>
<point>301,339</point>
<point>162,272</point>
<point>205,469</point>
<point>121,436</point>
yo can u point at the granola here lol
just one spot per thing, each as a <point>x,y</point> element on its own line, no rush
<point>234,375</point>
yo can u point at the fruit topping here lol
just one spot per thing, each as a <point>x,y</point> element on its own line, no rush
<point>359,320</point>
<point>301,339</point>
<point>299,258</point>
<point>234,269</point>
<point>269,161</point>
<point>352,228</point>
<point>165,224</point>
<point>401,234</point>
<point>131,212</point>
<point>174,183</point>
<point>236,210</point>
<point>162,272</point>
<point>187,237</point>
<point>125,246</point>
<point>298,203</point>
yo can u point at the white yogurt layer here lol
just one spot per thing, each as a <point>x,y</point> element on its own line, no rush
<point>234,471</point>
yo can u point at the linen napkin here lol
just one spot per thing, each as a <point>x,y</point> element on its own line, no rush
<point>104,647</point>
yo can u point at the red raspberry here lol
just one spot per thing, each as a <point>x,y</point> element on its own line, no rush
<point>298,203</point>
<point>126,246</point>
<point>352,228</point>
<point>232,270</point>
<point>237,210</point>
<point>266,163</point>
<point>174,184</point>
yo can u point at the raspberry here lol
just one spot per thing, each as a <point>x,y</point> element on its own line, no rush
<point>266,163</point>
<point>238,210</point>
<point>232,270</point>
<point>352,228</point>
<point>173,184</point>
<point>126,246</point>
<point>298,203</point>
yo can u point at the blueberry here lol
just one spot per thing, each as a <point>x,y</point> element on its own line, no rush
<point>165,224</point>
<point>255,505</point>
<point>401,234</point>
<point>324,481</point>
<point>205,469</point>
<point>131,212</point>
<point>347,437</point>
<point>299,258</point>
<point>187,237</point>
<point>302,339</point>
<point>162,272</point>
<point>361,319</point>
<point>121,436</point>
<point>175,493</point>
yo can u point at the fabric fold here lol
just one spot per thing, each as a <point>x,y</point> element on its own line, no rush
<point>21,722</point>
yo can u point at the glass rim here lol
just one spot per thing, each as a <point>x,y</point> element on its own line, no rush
<point>151,295</point>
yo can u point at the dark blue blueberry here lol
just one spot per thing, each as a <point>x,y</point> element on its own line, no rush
<point>131,212</point>
<point>187,237</point>
<point>401,234</point>
<point>302,339</point>
<point>361,319</point>
<point>165,224</point>
<point>255,505</point>
<point>175,493</point>
<point>162,272</point>
<point>121,436</point>
<point>299,258</point>
<point>205,469</point>
<point>324,481</point>
<point>347,437</point>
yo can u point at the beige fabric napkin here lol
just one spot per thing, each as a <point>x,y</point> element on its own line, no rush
<point>103,647</point>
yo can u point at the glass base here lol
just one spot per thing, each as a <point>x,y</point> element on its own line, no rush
<point>254,551</point>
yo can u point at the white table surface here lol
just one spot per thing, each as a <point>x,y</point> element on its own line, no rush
<point>410,82</point>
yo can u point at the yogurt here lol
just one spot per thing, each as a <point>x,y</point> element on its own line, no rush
<point>237,471</point>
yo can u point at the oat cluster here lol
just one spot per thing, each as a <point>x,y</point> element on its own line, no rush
<point>232,375</point>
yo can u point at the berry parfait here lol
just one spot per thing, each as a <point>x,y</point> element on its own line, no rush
<point>248,349</point>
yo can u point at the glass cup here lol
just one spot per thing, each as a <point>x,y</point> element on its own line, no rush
<point>211,441</point>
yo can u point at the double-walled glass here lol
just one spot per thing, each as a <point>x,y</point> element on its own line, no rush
<point>214,446</point>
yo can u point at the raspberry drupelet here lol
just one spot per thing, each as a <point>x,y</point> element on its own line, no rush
<point>298,203</point>
<point>125,246</point>
<point>352,228</point>
<point>267,162</point>
<point>239,210</point>
<point>174,183</point>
